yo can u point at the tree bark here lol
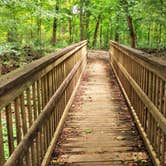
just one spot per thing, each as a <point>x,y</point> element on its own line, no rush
<point>96,30</point>
<point>54,27</point>
<point>130,23</point>
<point>81,20</point>
<point>12,29</point>
<point>39,27</point>
<point>70,30</point>
<point>87,17</point>
<point>101,31</point>
<point>117,29</point>
<point>149,33</point>
<point>39,21</point>
<point>131,31</point>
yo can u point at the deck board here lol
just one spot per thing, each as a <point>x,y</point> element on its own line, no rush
<point>99,129</point>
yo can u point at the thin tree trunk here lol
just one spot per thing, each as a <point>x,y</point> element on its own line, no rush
<point>149,29</point>
<point>96,30</point>
<point>117,29</point>
<point>39,23</point>
<point>131,31</point>
<point>130,23</point>
<point>39,20</point>
<point>54,27</point>
<point>87,17</point>
<point>12,28</point>
<point>87,26</point>
<point>160,33</point>
<point>107,38</point>
<point>70,30</point>
<point>81,20</point>
<point>101,31</point>
<point>12,32</point>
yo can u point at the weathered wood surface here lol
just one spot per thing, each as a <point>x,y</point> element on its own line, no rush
<point>143,82</point>
<point>32,118</point>
<point>99,129</point>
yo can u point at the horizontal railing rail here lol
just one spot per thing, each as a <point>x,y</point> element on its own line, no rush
<point>34,101</point>
<point>143,82</point>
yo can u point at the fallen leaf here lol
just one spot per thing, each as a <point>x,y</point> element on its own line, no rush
<point>54,161</point>
<point>88,131</point>
<point>130,164</point>
<point>120,138</point>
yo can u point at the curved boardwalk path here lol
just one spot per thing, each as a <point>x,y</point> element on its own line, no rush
<point>99,129</point>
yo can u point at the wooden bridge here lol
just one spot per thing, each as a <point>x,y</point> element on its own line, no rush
<point>76,108</point>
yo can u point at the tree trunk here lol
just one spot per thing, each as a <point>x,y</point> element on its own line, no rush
<point>149,32</point>
<point>54,27</point>
<point>39,20</point>
<point>11,36</point>
<point>130,23</point>
<point>87,17</point>
<point>107,38</point>
<point>87,26</point>
<point>70,30</point>
<point>131,31</point>
<point>101,31</point>
<point>160,34</point>
<point>96,30</point>
<point>81,20</point>
<point>117,29</point>
<point>12,32</point>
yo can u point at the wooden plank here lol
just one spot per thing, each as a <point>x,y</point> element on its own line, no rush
<point>23,114</point>
<point>17,119</point>
<point>39,96</point>
<point>34,99</point>
<point>163,161</point>
<point>2,156</point>
<point>9,128</point>
<point>29,107</point>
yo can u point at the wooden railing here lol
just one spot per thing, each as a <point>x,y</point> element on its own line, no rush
<point>33,104</point>
<point>143,82</point>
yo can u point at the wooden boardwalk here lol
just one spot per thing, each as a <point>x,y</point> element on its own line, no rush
<point>99,129</point>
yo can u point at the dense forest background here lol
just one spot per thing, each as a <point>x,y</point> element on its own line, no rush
<point>31,28</point>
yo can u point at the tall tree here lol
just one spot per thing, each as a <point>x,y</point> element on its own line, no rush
<point>87,18</point>
<point>96,30</point>
<point>81,20</point>
<point>54,27</point>
<point>125,6</point>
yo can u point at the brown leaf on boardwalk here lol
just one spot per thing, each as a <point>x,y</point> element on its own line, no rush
<point>130,164</point>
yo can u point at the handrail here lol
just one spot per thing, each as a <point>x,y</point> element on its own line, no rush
<point>12,79</point>
<point>22,75</point>
<point>144,59</point>
<point>38,104</point>
<point>143,82</point>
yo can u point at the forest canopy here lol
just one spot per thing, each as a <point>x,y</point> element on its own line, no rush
<point>35,27</point>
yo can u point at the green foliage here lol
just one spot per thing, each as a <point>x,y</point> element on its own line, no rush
<point>30,23</point>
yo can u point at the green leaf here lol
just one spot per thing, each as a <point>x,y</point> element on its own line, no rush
<point>88,131</point>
